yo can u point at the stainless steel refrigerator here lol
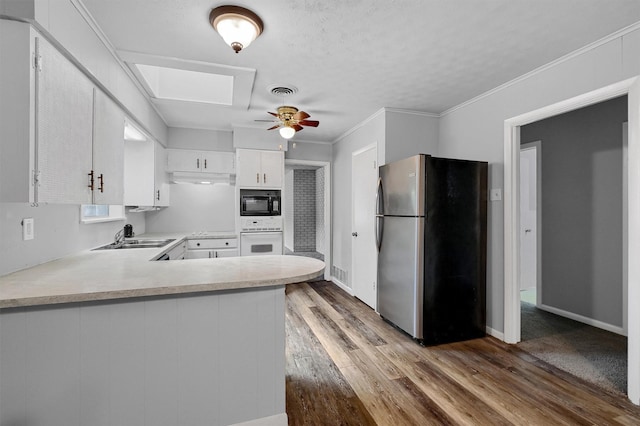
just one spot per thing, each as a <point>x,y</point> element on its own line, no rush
<point>431,233</point>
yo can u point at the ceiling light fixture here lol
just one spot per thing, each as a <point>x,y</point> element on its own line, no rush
<point>236,25</point>
<point>287,132</point>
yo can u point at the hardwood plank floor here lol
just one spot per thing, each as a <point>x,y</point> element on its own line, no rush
<point>346,366</point>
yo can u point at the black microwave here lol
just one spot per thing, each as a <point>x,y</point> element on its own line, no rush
<point>260,202</point>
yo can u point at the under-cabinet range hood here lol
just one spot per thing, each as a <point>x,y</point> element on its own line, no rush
<point>201,178</point>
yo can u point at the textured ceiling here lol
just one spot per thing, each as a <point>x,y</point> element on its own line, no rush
<point>349,58</point>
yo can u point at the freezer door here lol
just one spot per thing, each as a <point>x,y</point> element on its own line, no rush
<point>400,273</point>
<point>402,187</point>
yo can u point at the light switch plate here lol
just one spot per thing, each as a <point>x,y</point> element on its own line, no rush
<point>496,194</point>
<point>27,228</point>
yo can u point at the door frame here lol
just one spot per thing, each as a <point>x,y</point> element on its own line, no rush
<point>327,207</point>
<point>353,252</point>
<point>537,146</point>
<point>631,88</point>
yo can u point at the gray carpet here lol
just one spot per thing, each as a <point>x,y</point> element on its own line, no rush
<point>595,355</point>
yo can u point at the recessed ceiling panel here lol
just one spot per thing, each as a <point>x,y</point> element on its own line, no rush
<point>186,85</point>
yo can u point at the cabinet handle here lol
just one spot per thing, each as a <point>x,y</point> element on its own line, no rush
<point>257,177</point>
<point>205,163</point>
<point>101,178</point>
<point>158,195</point>
<point>197,163</point>
<point>91,180</point>
<point>265,178</point>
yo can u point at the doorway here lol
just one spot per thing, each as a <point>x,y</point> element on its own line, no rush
<point>306,210</point>
<point>630,87</point>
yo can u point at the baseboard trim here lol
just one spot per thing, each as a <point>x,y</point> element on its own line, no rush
<point>585,320</point>
<point>277,420</point>
<point>495,333</point>
<point>342,285</point>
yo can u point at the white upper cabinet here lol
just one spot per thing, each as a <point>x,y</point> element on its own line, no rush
<point>186,160</point>
<point>108,151</point>
<point>145,174</point>
<point>62,138</point>
<point>161,186</point>
<point>262,169</point>
<point>64,129</point>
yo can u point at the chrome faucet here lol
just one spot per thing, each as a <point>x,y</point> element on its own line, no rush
<point>118,239</point>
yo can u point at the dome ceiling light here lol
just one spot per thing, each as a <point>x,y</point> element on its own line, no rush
<point>236,25</point>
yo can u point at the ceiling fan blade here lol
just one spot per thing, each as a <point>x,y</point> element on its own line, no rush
<point>267,121</point>
<point>274,127</point>
<point>272,113</point>
<point>300,115</point>
<point>297,127</point>
<point>312,123</point>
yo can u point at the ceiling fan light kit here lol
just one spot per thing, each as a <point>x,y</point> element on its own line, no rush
<point>290,121</point>
<point>236,25</point>
<point>287,132</point>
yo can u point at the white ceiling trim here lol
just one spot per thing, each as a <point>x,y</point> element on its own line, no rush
<point>569,56</point>
<point>243,78</point>
<point>382,111</point>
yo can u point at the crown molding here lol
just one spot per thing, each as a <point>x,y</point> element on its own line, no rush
<point>611,37</point>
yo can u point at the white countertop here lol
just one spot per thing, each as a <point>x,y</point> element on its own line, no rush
<point>124,273</point>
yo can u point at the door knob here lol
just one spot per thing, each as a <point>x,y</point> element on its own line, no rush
<point>355,234</point>
<point>527,230</point>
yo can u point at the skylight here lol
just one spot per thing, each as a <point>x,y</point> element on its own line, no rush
<point>186,85</point>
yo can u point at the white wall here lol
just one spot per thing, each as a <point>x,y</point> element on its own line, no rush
<point>58,232</point>
<point>309,151</point>
<point>370,132</point>
<point>475,130</point>
<point>197,139</point>
<point>408,133</point>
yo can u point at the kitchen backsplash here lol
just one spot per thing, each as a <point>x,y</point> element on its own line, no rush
<point>57,231</point>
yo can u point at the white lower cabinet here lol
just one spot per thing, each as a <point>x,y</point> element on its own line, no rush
<point>209,248</point>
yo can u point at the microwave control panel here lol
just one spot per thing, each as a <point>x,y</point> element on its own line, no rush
<point>261,223</point>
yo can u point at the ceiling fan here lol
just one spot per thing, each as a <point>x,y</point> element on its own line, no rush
<point>290,121</point>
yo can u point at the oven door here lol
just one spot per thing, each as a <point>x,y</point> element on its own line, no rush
<point>260,243</point>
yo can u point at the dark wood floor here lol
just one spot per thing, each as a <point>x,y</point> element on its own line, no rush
<point>346,366</point>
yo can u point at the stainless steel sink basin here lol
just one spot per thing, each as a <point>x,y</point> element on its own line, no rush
<point>138,243</point>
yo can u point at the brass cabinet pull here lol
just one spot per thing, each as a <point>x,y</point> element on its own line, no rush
<point>91,181</point>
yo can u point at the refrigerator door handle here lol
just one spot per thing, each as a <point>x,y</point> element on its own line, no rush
<point>379,224</point>
<point>379,198</point>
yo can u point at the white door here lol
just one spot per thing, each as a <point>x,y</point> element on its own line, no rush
<point>364,176</point>
<point>529,217</point>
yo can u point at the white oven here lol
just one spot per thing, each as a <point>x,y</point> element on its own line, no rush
<point>261,236</point>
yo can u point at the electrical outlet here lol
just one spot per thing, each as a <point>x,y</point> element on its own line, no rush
<point>27,228</point>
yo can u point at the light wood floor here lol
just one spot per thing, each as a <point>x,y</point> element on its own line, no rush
<point>346,366</point>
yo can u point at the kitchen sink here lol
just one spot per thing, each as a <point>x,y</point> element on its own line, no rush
<point>131,244</point>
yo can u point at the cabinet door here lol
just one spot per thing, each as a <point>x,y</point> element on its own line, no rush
<point>248,168</point>
<point>272,168</point>
<point>218,162</point>
<point>161,196</point>
<point>184,160</point>
<point>226,253</point>
<point>108,151</point>
<point>139,173</point>
<point>64,130</point>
